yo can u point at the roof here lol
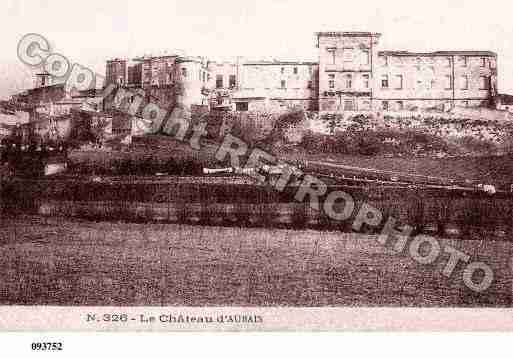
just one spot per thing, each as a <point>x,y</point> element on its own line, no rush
<point>347,33</point>
<point>149,58</point>
<point>438,53</point>
<point>277,62</point>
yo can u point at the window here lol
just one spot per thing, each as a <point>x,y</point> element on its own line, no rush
<point>332,55</point>
<point>295,70</point>
<point>366,81</point>
<point>465,103</point>
<point>331,81</point>
<point>348,81</point>
<point>241,106</point>
<point>349,105</point>
<point>400,105</point>
<point>463,61</point>
<point>383,60</point>
<point>184,72</point>
<point>310,85</point>
<point>232,81</point>
<point>219,81</point>
<point>365,57</point>
<point>484,83</point>
<point>282,70</point>
<point>464,82</point>
<point>448,82</point>
<point>365,105</point>
<point>203,78</point>
<point>384,81</point>
<point>448,61</point>
<point>348,54</point>
<point>384,105</point>
<point>283,84</point>
<point>483,61</point>
<point>399,82</point>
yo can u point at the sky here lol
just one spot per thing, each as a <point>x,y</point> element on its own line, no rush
<point>89,32</point>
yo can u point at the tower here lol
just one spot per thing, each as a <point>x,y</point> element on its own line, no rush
<point>42,79</point>
<point>346,70</point>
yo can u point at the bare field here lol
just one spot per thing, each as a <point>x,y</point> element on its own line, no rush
<point>65,262</point>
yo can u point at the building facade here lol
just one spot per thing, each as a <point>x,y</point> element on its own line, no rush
<point>116,71</point>
<point>355,75</point>
<point>352,74</point>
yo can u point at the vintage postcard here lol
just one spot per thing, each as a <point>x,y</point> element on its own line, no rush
<point>256,166</point>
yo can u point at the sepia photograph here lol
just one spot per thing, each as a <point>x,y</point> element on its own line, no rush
<point>250,166</point>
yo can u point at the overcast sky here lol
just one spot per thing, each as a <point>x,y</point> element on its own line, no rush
<point>88,32</point>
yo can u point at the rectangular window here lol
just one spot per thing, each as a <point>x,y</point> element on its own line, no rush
<point>349,105</point>
<point>348,54</point>
<point>484,83</point>
<point>282,70</point>
<point>384,81</point>
<point>365,105</point>
<point>241,106</point>
<point>295,70</point>
<point>448,82</point>
<point>383,60</point>
<point>184,72</point>
<point>464,82</point>
<point>399,82</point>
<point>483,61</point>
<point>309,86</point>
<point>332,55</point>
<point>465,103</point>
<point>365,57</point>
<point>219,81</point>
<point>283,84</point>
<point>331,81</point>
<point>384,105</point>
<point>366,83</point>
<point>463,61</point>
<point>232,81</point>
<point>349,81</point>
<point>400,105</point>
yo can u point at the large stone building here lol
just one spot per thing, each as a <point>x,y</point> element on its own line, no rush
<point>355,75</point>
<point>352,74</point>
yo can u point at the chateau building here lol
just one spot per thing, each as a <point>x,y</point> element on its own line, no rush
<point>352,74</point>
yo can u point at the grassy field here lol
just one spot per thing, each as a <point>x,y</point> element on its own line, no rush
<point>491,169</point>
<point>63,262</point>
<point>153,155</point>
